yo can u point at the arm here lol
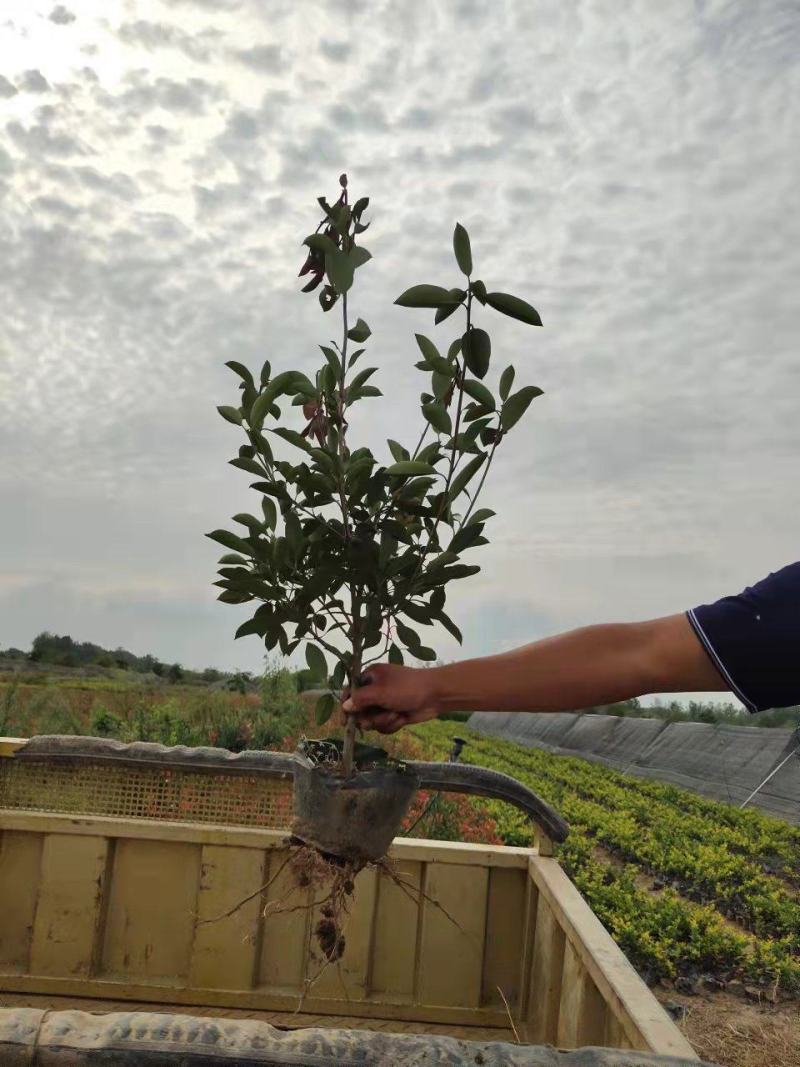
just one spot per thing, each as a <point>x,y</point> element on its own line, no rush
<point>592,665</point>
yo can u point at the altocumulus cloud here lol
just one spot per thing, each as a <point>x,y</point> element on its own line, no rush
<point>630,170</point>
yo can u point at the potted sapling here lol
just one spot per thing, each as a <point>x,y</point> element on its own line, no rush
<point>350,552</point>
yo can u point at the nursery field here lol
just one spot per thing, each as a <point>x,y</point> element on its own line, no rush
<point>691,889</point>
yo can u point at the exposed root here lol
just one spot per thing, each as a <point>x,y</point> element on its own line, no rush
<point>245,900</point>
<point>327,883</point>
<point>416,894</point>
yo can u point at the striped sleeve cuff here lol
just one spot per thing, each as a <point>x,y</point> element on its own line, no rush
<point>712,653</point>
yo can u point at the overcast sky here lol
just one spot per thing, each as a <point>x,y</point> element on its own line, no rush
<point>629,168</point>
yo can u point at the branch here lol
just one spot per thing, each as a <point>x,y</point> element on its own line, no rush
<point>477,492</point>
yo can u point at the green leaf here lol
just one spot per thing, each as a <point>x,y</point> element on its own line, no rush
<point>441,366</point>
<point>409,637</point>
<point>273,489</point>
<point>463,477</point>
<point>249,465</point>
<point>464,539</point>
<point>516,405</point>
<point>421,613</point>
<point>326,207</point>
<point>343,219</point>
<point>424,653</point>
<point>409,467</point>
<point>450,626</point>
<point>242,371</point>
<point>452,574</point>
<point>252,626</point>
<point>301,384</point>
<point>395,655</point>
<point>294,533</point>
<point>359,333</point>
<point>339,268</point>
<point>317,664</point>
<point>360,206</point>
<point>266,370</point>
<point>479,392</point>
<point>478,290</point>
<point>438,417</point>
<point>442,560</point>
<point>461,247</point>
<point>362,377</point>
<point>445,312</point>
<point>362,391</point>
<point>327,379</point>
<point>477,348</point>
<point>426,296</point>
<point>231,559</point>
<point>320,243</point>
<point>233,415</point>
<point>506,381</point>
<point>270,512</point>
<point>397,450</point>
<point>276,387</point>
<point>230,540</point>
<point>359,256</point>
<point>293,437</point>
<point>230,597</point>
<point>473,431</point>
<point>440,383</point>
<point>514,307</point>
<point>324,708</point>
<point>481,515</point>
<point>475,411</point>
<point>427,348</point>
<point>247,520</point>
<point>333,360</point>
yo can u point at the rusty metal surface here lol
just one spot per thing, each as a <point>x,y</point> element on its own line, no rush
<point>134,1039</point>
<point>65,753</point>
<point>481,781</point>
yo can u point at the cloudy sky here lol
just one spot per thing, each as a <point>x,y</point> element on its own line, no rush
<point>628,167</point>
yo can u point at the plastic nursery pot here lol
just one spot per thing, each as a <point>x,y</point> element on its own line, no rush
<point>354,819</point>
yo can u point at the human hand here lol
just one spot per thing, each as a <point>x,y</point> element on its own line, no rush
<point>391,697</point>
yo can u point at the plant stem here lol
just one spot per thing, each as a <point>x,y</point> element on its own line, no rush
<point>348,748</point>
<point>477,492</point>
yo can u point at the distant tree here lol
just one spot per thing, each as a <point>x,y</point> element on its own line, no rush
<point>175,673</point>
<point>240,682</point>
<point>210,675</point>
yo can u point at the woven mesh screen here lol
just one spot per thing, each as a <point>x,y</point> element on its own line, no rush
<point>146,793</point>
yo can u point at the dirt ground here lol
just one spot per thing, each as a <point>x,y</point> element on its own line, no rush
<point>735,1033</point>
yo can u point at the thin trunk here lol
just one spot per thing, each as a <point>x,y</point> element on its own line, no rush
<point>348,749</point>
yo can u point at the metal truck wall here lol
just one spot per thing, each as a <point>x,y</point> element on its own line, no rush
<point>35,1038</point>
<point>722,761</point>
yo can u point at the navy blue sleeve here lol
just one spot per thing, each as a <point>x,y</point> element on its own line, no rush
<point>753,640</point>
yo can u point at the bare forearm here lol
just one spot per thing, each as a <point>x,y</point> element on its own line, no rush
<point>594,665</point>
<point>585,667</point>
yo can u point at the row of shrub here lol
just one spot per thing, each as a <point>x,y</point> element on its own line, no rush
<point>709,862</point>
